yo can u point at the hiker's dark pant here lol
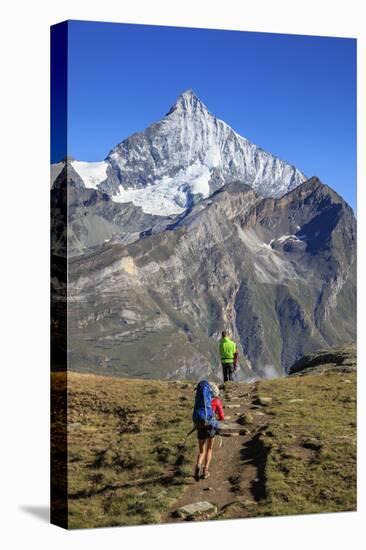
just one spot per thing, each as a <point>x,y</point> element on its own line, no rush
<point>228,371</point>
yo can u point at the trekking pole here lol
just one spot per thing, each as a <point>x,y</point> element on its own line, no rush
<point>188,434</point>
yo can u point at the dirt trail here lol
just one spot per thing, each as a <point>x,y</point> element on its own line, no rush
<point>237,468</point>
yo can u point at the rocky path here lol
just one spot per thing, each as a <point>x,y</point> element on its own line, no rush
<point>237,467</point>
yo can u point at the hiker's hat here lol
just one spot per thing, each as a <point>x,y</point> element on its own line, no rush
<point>215,390</point>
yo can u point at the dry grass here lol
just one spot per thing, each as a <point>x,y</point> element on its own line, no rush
<point>126,465</point>
<point>311,438</point>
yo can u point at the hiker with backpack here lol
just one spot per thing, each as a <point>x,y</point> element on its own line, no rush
<point>206,413</point>
<point>229,356</point>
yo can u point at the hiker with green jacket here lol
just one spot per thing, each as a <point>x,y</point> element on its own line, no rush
<point>228,354</point>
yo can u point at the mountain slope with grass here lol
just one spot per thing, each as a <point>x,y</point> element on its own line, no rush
<point>294,450</point>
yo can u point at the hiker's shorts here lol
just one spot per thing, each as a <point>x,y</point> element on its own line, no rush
<point>207,432</point>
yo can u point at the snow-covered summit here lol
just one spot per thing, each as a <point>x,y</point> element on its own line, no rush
<point>188,102</point>
<point>186,156</point>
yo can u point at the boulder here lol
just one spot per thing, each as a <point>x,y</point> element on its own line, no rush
<point>245,418</point>
<point>264,400</point>
<point>342,359</point>
<point>196,510</point>
<point>226,428</point>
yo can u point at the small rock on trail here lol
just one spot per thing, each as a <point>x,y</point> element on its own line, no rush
<point>196,509</point>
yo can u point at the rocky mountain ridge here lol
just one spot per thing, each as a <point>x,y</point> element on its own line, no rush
<point>280,274</point>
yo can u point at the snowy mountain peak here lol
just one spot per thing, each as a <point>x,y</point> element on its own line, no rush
<point>183,158</point>
<point>188,102</point>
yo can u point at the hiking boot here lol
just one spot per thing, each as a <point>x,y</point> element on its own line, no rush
<point>205,474</point>
<point>198,472</point>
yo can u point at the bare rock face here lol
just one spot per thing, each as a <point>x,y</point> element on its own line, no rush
<point>155,308</point>
<point>84,219</point>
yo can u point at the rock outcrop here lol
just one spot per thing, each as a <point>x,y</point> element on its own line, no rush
<point>340,359</point>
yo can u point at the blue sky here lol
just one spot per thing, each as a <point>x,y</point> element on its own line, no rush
<point>295,96</point>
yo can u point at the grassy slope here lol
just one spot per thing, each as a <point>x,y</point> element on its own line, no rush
<point>309,438</point>
<point>126,465</point>
<point>312,461</point>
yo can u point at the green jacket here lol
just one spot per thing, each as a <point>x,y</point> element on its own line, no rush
<point>227,350</point>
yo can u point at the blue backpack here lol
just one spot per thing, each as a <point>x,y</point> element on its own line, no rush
<point>203,415</point>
